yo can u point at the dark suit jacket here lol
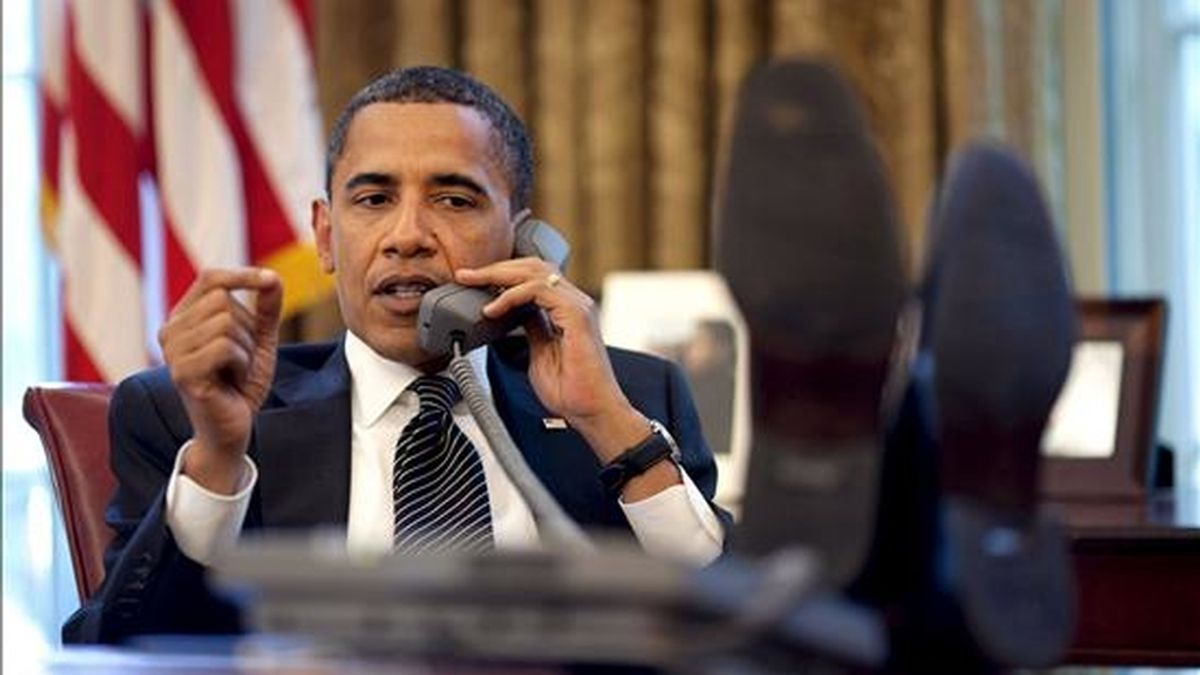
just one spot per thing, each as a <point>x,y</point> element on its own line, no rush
<point>301,444</point>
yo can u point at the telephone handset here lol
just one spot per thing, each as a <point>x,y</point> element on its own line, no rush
<point>450,321</point>
<point>454,314</point>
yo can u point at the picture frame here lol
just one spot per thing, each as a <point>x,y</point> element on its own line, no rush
<point>691,318</point>
<point>1100,437</point>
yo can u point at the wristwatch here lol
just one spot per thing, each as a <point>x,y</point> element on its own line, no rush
<point>659,445</point>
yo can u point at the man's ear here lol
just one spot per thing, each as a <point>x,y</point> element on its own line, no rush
<point>322,228</point>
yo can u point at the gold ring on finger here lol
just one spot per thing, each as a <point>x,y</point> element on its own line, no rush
<point>553,279</point>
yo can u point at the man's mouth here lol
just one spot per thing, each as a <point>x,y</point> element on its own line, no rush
<point>401,290</point>
<point>404,293</point>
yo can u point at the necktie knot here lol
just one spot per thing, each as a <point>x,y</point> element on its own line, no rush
<point>435,392</point>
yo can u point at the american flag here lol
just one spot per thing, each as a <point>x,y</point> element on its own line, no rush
<point>176,135</point>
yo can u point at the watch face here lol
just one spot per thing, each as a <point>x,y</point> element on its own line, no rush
<point>660,429</point>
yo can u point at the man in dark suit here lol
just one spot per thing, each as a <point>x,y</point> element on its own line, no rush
<point>427,172</point>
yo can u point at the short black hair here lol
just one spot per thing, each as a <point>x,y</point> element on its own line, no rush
<point>431,84</point>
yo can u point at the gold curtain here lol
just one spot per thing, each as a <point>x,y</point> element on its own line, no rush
<point>628,100</point>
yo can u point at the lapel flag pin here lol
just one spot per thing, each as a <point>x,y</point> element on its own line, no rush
<point>554,423</point>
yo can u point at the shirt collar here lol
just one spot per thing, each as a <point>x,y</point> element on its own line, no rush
<point>376,382</point>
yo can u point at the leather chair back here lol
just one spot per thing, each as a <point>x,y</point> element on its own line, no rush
<point>72,419</point>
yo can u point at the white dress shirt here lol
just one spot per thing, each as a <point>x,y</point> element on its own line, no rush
<point>675,523</point>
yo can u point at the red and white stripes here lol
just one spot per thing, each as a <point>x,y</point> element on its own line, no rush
<point>99,226</point>
<point>213,99</point>
<point>52,101</point>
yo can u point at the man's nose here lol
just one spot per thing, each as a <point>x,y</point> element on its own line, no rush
<point>409,230</point>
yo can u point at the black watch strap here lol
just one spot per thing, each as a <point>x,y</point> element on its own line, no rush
<point>658,446</point>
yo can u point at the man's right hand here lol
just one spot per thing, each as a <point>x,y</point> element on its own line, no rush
<point>221,356</point>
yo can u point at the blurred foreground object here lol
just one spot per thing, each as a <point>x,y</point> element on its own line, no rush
<point>807,240</point>
<point>971,575</point>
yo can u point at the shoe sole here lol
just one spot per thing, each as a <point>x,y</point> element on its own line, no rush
<point>1001,329</point>
<point>1001,325</point>
<point>808,244</point>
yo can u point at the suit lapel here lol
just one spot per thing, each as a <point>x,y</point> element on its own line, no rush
<point>559,457</point>
<point>302,447</point>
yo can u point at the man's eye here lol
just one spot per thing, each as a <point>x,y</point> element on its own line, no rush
<point>372,199</point>
<point>457,202</point>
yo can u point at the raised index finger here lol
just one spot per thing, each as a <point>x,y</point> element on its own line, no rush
<point>229,279</point>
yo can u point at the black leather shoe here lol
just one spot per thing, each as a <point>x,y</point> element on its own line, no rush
<point>998,327</point>
<point>807,240</point>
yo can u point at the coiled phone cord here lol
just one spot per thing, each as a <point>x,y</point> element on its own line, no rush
<point>558,530</point>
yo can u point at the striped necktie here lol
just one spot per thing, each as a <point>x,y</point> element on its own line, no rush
<point>439,494</point>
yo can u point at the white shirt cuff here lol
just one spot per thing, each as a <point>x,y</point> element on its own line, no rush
<point>205,523</point>
<point>677,523</point>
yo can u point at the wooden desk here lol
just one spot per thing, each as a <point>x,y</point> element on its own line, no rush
<point>1138,588</point>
